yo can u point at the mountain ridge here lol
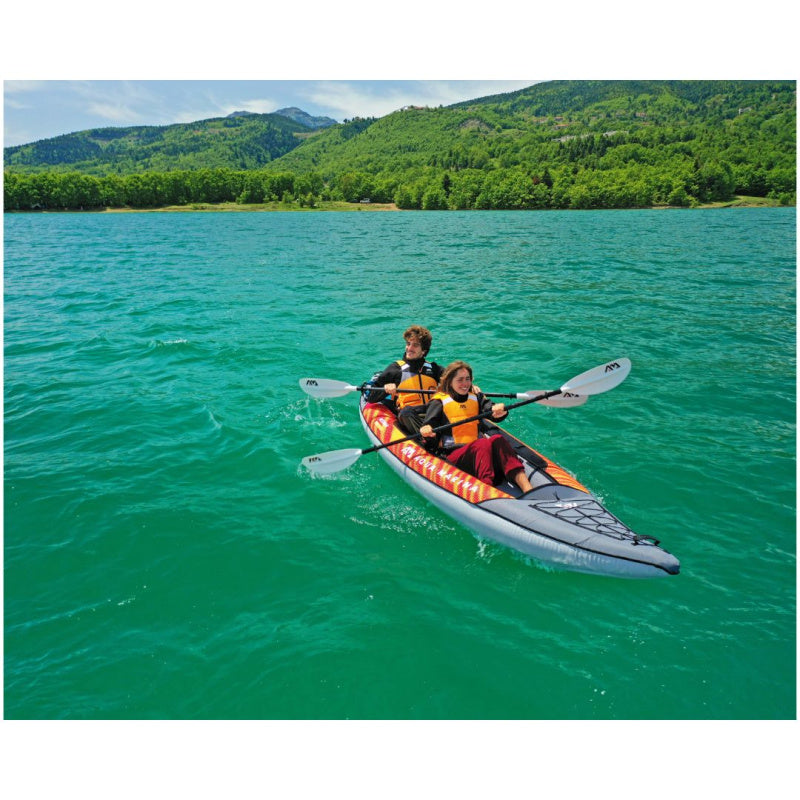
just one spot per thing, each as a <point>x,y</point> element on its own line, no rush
<point>241,140</point>
<point>304,118</point>
<point>559,144</point>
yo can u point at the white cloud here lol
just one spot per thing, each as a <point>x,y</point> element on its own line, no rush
<point>449,92</point>
<point>351,100</point>
<point>118,114</point>
<point>345,99</point>
<point>13,103</point>
<point>256,106</point>
<point>119,102</point>
<point>13,87</point>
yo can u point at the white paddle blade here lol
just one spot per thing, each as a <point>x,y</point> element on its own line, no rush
<point>332,461</point>
<point>599,379</point>
<point>325,388</point>
<point>563,400</point>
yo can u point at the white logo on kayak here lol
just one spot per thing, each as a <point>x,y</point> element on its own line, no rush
<point>427,466</point>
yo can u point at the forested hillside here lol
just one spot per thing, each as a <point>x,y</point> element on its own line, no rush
<point>239,141</point>
<point>571,144</point>
<point>562,144</point>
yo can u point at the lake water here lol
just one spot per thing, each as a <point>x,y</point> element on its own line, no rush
<point>167,558</point>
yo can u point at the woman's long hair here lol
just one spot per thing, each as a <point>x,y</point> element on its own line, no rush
<point>446,381</point>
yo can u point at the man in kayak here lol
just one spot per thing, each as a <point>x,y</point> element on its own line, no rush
<point>409,373</point>
<point>489,459</point>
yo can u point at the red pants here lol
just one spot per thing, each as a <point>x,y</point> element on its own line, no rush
<point>490,459</point>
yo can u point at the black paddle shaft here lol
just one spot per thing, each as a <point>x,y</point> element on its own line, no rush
<point>365,387</point>
<point>484,415</point>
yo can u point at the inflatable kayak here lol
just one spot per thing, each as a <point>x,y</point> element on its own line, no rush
<point>559,522</point>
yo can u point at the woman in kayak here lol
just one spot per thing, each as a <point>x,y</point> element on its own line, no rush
<point>490,459</point>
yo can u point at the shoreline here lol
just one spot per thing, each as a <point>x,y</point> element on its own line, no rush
<point>324,205</point>
<point>342,206</point>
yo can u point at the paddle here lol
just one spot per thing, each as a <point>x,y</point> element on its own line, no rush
<point>325,389</point>
<point>594,381</point>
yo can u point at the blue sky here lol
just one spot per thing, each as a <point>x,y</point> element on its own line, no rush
<point>40,109</point>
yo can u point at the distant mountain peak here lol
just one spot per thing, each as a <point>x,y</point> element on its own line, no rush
<point>298,115</point>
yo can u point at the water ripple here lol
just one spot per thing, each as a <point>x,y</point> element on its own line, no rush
<point>166,556</point>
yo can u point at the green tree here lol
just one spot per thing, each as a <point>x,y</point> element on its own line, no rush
<point>679,197</point>
<point>112,191</point>
<point>355,186</point>
<point>715,181</point>
<point>277,186</point>
<point>465,187</point>
<point>404,197</point>
<point>434,199</point>
<point>254,189</point>
<point>781,180</point>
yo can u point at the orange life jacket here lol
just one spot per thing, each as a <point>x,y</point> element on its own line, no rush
<point>455,412</point>
<point>414,380</point>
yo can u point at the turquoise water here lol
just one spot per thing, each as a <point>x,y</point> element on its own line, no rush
<point>166,557</point>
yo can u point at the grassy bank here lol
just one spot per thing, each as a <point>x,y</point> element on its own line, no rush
<point>741,201</point>
<point>323,205</point>
<point>339,205</point>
